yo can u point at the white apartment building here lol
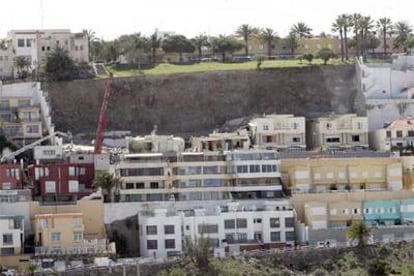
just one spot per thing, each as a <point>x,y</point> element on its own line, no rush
<point>237,225</point>
<point>338,131</point>
<point>11,235</point>
<point>36,44</point>
<point>279,132</point>
<point>199,176</point>
<point>398,134</point>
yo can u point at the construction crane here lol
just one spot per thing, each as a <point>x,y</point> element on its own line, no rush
<point>103,117</point>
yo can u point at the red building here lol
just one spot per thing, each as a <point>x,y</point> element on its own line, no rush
<point>10,177</point>
<point>62,180</point>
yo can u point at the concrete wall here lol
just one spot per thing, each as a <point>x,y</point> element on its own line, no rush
<point>387,110</point>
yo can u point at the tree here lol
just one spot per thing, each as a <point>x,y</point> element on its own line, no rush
<point>308,58</point>
<point>291,42</point>
<point>199,42</point>
<point>107,182</point>
<point>365,26</point>
<point>301,29</point>
<point>325,54</point>
<point>3,44</point>
<point>246,31</point>
<point>226,44</point>
<point>178,44</point>
<point>403,31</point>
<point>22,64</point>
<point>384,25</point>
<point>155,43</point>
<point>347,24</point>
<point>110,52</point>
<point>372,42</point>
<point>198,251</point>
<point>355,18</point>
<point>358,231</point>
<point>91,35</point>
<point>59,65</point>
<point>268,36</point>
<point>338,26</point>
<point>133,47</point>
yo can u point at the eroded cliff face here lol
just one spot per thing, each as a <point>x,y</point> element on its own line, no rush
<point>196,103</point>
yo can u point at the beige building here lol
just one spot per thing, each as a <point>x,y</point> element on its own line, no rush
<point>338,132</point>
<point>223,141</point>
<point>342,174</point>
<point>279,132</point>
<point>36,44</point>
<point>396,135</point>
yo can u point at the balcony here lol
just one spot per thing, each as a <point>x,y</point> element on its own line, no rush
<point>99,247</point>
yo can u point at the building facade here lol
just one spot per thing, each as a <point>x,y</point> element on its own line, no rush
<point>11,177</point>
<point>397,135</point>
<point>11,235</point>
<point>338,132</point>
<point>6,61</point>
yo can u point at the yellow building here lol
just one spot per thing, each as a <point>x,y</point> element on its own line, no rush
<point>342,174</point>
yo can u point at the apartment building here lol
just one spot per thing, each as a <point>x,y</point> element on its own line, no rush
<point>382,212</point>
<point>36,44</point>
<point>345,131</point>
<point>11,177</point>
<point>279,132</point>
<point>342,174</point>
<point>6,60</point>
<point>155,143</point>
<point>11,235</point>
<point>397,135</point>
<point>199,176</point>
<point>233,227</point>
<point>222,141</point>
<point>24,112</point>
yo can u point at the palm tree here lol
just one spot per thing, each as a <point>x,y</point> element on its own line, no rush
<point>355,18</point>
<point>358,231</point>
<point>107,182</point>
<point>338,25</point>
<point>403,31</point>
<point>155,43</point>
<point>301,29</point>
<point>246,31</point>
<point>365,26</point>
<point>384,25</point>
<point>199,42</point>
<point>268,36</point>
<point>91,35</point>
<point>22,64</point>
<point>291,42</point>
<point>347,24</point>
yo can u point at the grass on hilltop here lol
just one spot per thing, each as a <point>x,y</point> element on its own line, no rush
<point>166,68</point>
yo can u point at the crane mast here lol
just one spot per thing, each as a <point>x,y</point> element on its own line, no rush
<point>103,117</point>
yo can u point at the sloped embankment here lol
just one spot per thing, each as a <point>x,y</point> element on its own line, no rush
<point>195,103</point>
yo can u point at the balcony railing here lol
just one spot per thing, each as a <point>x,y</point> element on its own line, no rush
<point>88,247</point>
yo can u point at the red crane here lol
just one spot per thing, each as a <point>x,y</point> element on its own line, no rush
<point>102,117</point>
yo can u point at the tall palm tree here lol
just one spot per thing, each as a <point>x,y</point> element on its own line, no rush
<point>338,26</point>
<point>246,31</point>
<point>403,31</point>
<point>301,29</point>
<point>355,18</point>
<point>199,42</point>
<point>91,35</point>
<point>366,24</point>
<point>347,24</point>
<point>268,36</point>
<point>358,231</point>
<point>384,24</point>
<point>291,42</point>
<point>155,43</point>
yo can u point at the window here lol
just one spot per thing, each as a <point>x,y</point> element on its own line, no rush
<point>269,168</point>
<point>43,48</point>
<point>76,48</point>
<point>265,127</point>
<point>154,185</point>
<point>28,43</point>
<point>140,185</point>
<point>274,222</point>
<point>77,236</point>
<point>170,244</point>
<point>77,222</point>
<point>360,125</point>
<point>142,172</point>
<point>32,129</point>
<point>290,236</point>
<point>229,224</point>
<point>7,186</point>
<point>410,133</point>
<point>242,169</point>
<point>73,186</point>
<point>399,133</point>
<point>49,152</point>
<point>48,48</point>
<point>42,223</point>
<point>81,47</point>
<point>254,168</point>
<point>7,239</point>
<point>72,171</point>
<point>241,223</point>
<point>20,43</point>
<point>207,228</point>
<point>296,139</point>
<point>289,222</point>
<point>152,244</point>
<point>151,230</point>
<point>355,138</point>
<point>50,186</point>
<point>274,236</point>
<point>55,236</point>
<point>129,185</point>
<point>82,171</point>
<point>211,170</point>
<point>242,236</point>
<point>257,220</point>
<point>229,237</point>
<point>328,125</point>
<point>169,229</point>
<point>333,140</point>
